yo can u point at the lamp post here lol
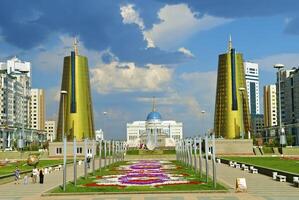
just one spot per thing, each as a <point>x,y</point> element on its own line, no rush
<point>279,67</point>
<point>104,122</point>
<point>207,157</point>
<point>241,89</point>
<point>100,155</point>
<point>75,160</point>
<point>63,93</point>
<point>203,113</point>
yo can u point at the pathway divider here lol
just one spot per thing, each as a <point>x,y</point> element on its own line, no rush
<point>190,151</point>
<point>75,161</point>
<point>112,151</point>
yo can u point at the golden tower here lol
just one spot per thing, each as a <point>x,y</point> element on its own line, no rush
<point>232,119</point>
<point>76,104</point>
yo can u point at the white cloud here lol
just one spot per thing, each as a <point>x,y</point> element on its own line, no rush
<point>288,59</point>
<point>52,58</point>
<point>175,99</point>
<point>187,52</point>
<point>197,94</point>
<point>131,16</point>
<point>127,77</point>
<point>178,23</point>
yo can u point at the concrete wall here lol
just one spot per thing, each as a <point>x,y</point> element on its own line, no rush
<point>53,146</point>
<point>234,147</point>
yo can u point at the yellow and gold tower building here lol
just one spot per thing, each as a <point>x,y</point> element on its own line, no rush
<point>75,108</point>
<point>232,119</point>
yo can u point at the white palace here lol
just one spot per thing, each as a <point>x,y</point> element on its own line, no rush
<point>154,133</point>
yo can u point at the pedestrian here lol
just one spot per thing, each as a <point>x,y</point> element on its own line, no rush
<point>34,175</point>
<point>17,175</point>
<point>41,176</point>
<point>88,162</point>
<point>25,180</point>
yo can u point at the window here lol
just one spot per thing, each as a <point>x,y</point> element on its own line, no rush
<point>79,150</point>
<point>58,150</point>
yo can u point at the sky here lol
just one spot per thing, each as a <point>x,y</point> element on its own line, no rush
<point>139,49</point>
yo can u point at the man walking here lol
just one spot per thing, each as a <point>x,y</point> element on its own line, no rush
<point>17,175</point>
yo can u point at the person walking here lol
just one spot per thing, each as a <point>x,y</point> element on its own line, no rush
<point>25,179</point>
<point>17,175</point>
<point>41,176</point>
<point>34,175</point>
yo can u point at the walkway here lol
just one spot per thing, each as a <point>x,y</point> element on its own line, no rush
<point>260,187</point>
<point>33,191</point>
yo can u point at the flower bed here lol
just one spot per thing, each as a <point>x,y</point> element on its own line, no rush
<point>143,173</point>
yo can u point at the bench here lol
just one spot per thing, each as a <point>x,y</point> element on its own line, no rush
<point>253,170</point>
<point>231,164</point>
<point>274,174</point>
<point>281,178</point>
<point>245,168</point>
<point>296,181</point>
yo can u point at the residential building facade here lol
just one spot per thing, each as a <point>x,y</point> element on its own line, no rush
<point>252,86</point>
<point>50,128</point>
<point>290,104</point>
<point>15,115</point>
<point>37,109</point>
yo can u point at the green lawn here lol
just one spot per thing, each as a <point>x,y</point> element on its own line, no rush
<point>270,162</point>
<point>110,170</point>
<point>10,168</point>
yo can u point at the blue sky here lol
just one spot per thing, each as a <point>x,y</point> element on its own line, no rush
<point>139,49</point>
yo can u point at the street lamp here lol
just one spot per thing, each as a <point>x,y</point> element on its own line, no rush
<point>241,89</point>
<point>279,67</point>
<point>104,122</point>
<point>203,113</point>
<point>63,93</point>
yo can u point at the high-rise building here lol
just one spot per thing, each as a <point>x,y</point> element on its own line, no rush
<point>37,109</point>
<point>75,110</point>
<point>284,78</point>
<point>290,103</point>
<point>232,119</point>
<point>15,93</point>
<point>252,85</point>
<point>270,106</point>
<point>15,106</point>
<point>50,127</point>
<point>257,124</point>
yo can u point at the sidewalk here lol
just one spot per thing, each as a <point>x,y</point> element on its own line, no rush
<point>33,191</point>
<point>259,186</point>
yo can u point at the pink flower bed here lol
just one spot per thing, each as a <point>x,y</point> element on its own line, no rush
<point>143,173</point>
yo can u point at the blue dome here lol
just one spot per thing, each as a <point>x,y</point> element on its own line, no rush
<point>153,116</point>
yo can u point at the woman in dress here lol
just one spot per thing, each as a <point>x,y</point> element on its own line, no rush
<point>41,176</point>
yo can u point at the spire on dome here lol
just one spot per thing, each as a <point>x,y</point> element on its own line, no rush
<point>154,104</point>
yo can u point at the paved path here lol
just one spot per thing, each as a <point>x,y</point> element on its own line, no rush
<point>260,187</point>
<point>33,191</point>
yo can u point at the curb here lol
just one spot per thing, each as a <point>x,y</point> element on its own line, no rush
<point>145,192</point>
